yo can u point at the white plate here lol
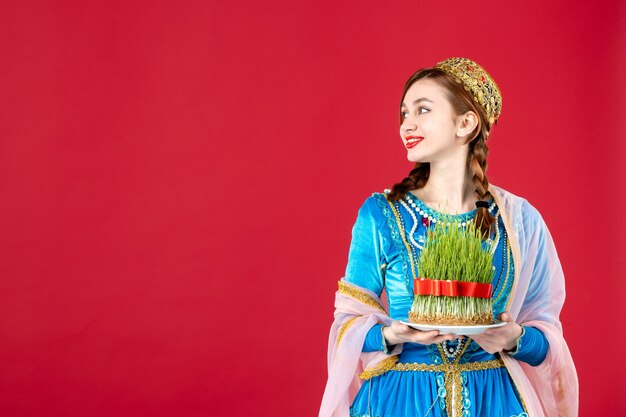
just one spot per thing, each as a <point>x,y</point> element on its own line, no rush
<point>458,330</point>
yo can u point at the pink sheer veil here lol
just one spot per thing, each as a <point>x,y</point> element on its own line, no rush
<point>353,319</point>
<point>551,388</point>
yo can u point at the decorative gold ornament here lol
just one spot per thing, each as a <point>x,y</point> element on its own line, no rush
<point>348,289</point>
<point>384,366</point>
<point>344,328</point>
<point>478,81</point>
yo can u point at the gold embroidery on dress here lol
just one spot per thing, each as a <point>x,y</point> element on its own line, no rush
<point>452,377</point>
<point>507,273</point>
<point>453,381</point>
<point>401,229</point>
<point>449,367</point>
<point>457,394</point>
<point>344,328</point>
<point>351,291</point>
<point>380,369</point>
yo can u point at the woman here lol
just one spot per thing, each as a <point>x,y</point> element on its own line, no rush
<point>381,367</point>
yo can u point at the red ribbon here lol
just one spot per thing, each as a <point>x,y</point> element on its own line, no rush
<point>425,286</point>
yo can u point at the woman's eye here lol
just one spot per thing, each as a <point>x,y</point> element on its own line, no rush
<point>405,113</point>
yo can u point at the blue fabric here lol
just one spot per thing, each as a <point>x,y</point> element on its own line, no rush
<point>374,339</point>
<point>532,347</point>
<point>378,259</point>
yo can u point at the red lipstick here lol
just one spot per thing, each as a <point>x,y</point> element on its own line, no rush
<point>413,143</point>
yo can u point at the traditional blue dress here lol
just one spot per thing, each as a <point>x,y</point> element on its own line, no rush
<point>448,379</point>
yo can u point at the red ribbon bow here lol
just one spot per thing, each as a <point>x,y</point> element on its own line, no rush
<point>451,288</point>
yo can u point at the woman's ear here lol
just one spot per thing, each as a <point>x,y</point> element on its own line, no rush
<point>467,124</point>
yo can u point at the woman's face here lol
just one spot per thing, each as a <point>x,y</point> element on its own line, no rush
<point>430,118</point>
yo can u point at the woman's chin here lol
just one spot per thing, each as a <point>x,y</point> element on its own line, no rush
<point>414,159</point>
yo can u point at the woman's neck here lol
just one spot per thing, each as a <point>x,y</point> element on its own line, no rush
<point>449,188</point>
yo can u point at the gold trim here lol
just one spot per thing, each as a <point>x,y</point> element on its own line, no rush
<point>457,394</point>
<point>380,369</point>
<point>452,377</point>
<point>401,230</point>
<point>444,357</point>
<point>515,249</point>
<point>344,327</point>
<point>349,290</point>
<point>513,240</point>
<point>508,267</point>
<point>450,367</point>
<point>443,354</point>
<point>460,355</point>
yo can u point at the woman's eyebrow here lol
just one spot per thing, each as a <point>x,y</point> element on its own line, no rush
<point>419,100</point>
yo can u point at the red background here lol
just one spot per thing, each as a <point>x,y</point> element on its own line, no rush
<point>179,182</point>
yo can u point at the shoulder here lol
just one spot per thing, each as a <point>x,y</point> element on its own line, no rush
<point>375,200</point>
<point>518,206</point>
<point>375,206</point>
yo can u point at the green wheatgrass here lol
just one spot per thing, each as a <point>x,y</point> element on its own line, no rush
<point>454,253</point>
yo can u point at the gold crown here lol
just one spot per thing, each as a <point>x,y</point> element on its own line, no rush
<point>478,81</point>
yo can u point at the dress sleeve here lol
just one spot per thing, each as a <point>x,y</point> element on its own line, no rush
<point>532,346</point>
<point>365,258</point>
<point>365,263</point>
<point>375,340</point>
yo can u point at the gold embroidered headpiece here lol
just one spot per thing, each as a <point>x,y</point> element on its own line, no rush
<point>478,81</point>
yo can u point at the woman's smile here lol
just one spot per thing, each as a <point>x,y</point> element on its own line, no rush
<point>413,141</point>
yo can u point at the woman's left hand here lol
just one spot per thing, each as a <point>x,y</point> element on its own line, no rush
<point>500,338</point>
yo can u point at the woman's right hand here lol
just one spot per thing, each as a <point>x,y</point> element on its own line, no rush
<point>400,333</point>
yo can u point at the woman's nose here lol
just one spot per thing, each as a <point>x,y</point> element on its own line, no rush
<point>408,126</point>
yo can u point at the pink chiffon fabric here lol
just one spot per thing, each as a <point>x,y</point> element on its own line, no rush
<point>548,390</point>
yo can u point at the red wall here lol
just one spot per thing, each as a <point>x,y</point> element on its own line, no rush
<point>179,180</point>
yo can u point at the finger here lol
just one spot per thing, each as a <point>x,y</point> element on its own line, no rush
<point>424,337</point>
<point>402,328</point>
<point>430,334</point>
<point>491,333</point>
<point>486,346</point>
<point>442,338</point>
<point>437,339</point>
<point>505,316</point>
